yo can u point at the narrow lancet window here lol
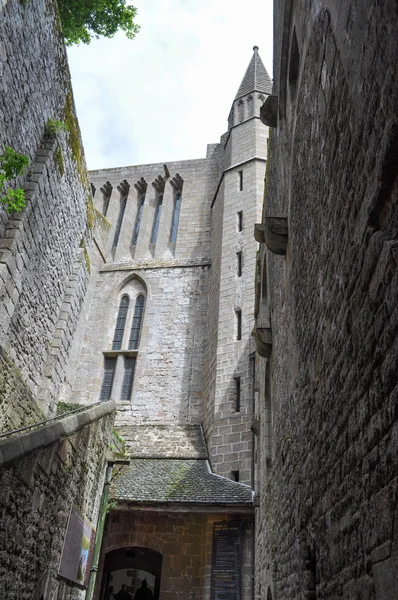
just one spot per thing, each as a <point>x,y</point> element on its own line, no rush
<point>138,220</point>
<point>239,264</point>
<point>176,216</point>
<point>239,220</point>
<point>124,189</point>
<point>157,220</point>
<point>120,323</point>
<point>122,208</point>
<point>107,382</point>
<point>136,325</point>
<point>128,378</point>
<point>238,314</point>
<point>237,394</point>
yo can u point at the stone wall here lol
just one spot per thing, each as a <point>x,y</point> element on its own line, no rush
<point>329,492</point>
<point>43,250</point>
<point>34,507</point>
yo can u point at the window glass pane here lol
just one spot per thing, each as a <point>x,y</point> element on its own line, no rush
<point>136,325</point>
<point>138,221</point>
<point>176,216</point>
<point>120,323</point>
<point>107,382</point>
<point>157,220</point>
<point>128,378</point>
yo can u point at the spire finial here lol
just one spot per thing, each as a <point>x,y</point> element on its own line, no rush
<point>255,48</point>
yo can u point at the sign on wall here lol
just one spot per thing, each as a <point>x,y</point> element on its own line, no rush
<point>78,548</point>
<point>226,566</point>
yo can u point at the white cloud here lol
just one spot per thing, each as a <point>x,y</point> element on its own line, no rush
<point>166,94</point>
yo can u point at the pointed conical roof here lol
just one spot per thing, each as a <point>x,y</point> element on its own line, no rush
<point>256,78</point>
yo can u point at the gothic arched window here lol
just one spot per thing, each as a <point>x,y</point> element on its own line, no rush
<point>120,323</point>
<point>240,111</point>
<point>136,324</point>
<point>120,361</point>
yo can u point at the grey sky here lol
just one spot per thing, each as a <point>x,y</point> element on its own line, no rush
<point>166,94</point>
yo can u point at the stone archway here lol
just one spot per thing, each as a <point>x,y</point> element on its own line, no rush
<point>133,558</point>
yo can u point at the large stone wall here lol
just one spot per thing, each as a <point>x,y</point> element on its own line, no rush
<point>43,257</point>
<point>36,495</point>
<point>325,526</point>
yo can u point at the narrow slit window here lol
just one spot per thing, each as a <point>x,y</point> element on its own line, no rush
<point>240,175</point>
<point>240,220</point>
<point>176,216</point>
<point>238,324</point>
<point>235,476</point>
<point>128,378</point>
<point>157,220</point>
<point>138,220</point>
<point>294,66</point>
<point>123,203</point>
<point>109,375</point>
<point>120,323</point>
<point>137,321</point>
<point>239,264</point>
<point>237,394</point>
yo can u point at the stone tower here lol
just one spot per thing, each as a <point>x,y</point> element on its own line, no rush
<point>235,207</point>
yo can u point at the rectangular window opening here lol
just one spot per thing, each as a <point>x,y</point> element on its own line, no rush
<point>240,220</point>
<point>128,378</point>
<point>240,173</point>
<point>237,394</point>
<point>109,375</point>
<point>239,264</point>
<point>235,476</point>
<point>238,324</point>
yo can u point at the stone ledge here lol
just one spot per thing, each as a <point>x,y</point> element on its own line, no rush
<point>16,448</point>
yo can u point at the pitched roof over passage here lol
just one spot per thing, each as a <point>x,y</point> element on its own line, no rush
<point>169,480</point>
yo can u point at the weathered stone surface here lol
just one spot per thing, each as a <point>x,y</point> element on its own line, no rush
<point>328,395</point>
<point>42,266</point>
<point>36,494</point>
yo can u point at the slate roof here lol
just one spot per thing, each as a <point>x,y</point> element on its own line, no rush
<point>173,480</point>
<point>256,77</point>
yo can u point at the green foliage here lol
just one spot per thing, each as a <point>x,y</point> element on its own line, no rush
<point>118,437</point>
<point>65,407</point>
<point>12,164</point>
<point>110,505</point>
<point>53,127</point>
<point>59,160</point>
<point>86,255</point>
<point>83,20</point>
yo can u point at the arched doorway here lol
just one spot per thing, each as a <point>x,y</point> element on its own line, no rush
<point>129,566</point>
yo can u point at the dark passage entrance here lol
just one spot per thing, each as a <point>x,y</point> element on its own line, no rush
<point>129,566</point>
